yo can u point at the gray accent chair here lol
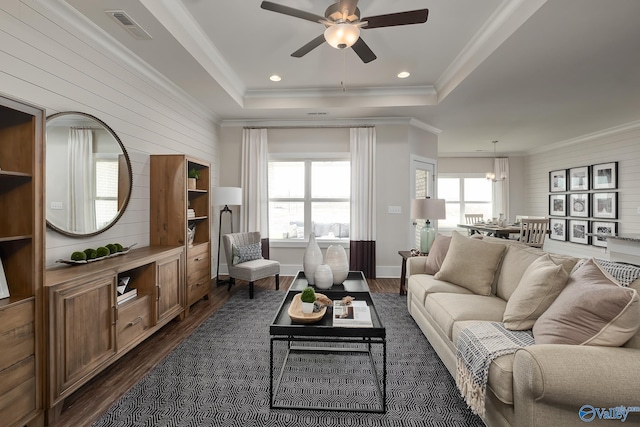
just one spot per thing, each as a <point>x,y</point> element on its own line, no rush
<point>249,270</point>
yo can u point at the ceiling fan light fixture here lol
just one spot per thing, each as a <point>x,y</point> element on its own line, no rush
<point>342,35</point>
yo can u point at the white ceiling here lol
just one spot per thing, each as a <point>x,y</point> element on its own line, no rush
<point>524,72</point>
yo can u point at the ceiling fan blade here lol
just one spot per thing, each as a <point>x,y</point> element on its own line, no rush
<point>349,5</point>
<point>394,19</point>
<point>363,51</point>
<point>286,10</point>
<point>308,47</point>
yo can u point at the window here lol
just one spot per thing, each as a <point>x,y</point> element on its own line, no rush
<point>106,190</point>
<point>464,194</point>
<point>309,195</point>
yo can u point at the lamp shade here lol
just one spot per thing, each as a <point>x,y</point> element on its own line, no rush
<point>224,196</point>
<point>428,209</point>
<point>342,36</point>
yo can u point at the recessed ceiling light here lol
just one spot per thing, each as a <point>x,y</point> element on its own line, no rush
<point>403,74</point>
<point>275,78</point>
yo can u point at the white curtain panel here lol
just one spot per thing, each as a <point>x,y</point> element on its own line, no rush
<point>363,183</point>
<point>501,188</point>
<point>81,212</point>
<point>255,198</point>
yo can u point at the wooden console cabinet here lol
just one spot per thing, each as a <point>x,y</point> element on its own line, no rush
<point>171,200</point>
<point>22,255</point>
<point>88,329</point>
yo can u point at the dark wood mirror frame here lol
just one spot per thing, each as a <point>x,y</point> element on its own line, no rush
<point>125,180</point>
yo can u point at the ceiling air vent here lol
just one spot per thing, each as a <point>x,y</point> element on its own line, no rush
<point>122,18</point>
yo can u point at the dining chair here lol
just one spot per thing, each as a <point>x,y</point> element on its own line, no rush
<point>533,231</point>
<point>245,261</point>
<point>473,218</point>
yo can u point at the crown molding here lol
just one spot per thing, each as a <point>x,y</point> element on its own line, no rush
<point>110,47</point>
<point>354,122</point>
<point>616,130</point>
<point>504,21</point>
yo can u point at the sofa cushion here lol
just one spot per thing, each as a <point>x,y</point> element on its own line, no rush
<point>437,253</point>
<point>517,259</point>
<point>593,309</point>
<point>539,286</point>
<point>471,263</point>
<point>446,309</point>
<point>421,285</point>
<point>634,342</point>
<point>500,380</point>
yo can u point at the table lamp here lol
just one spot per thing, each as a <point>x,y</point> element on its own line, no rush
<point>427,209</point>
<point>225,196</point>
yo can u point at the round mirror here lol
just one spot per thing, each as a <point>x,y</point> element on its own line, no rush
<point>88,175</point>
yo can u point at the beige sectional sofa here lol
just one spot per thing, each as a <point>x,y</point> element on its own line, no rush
<point>538,385</point>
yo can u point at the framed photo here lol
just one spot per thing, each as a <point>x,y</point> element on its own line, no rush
<point>605,176</point>
<point>601,229</point>
<point>605,205</point>
<point>579,178</point>
<point>4,286</point>
<point>557,204</point>
<point>558,181</point>
<point>579,205</point>
<point>579,231</point>
<point>558,229</point>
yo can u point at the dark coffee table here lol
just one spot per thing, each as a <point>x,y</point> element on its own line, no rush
<point>323,337</point>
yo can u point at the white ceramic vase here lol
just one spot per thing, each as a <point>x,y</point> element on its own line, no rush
<point>323,276</point>
<point>336,258</point>
<point>312,259</point>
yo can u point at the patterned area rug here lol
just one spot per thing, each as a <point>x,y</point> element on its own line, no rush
<point>219,376</point>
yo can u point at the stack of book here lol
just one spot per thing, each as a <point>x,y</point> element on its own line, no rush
<point>353,315</point>
<point>191,213</point>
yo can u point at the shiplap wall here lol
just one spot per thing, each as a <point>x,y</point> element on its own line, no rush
<point>620,145</point>
<point>62,63</point>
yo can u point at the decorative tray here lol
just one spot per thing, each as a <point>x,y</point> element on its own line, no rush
<point>296,314</point>
<point>72,262</point>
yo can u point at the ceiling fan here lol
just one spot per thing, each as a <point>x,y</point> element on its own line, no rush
<point>343,24</point>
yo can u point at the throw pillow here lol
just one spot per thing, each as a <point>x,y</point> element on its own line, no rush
<point>471,263</point>
<point>539,286</point>
<point>247,253</point>
<point>591,310</point>
<point>437,253</point>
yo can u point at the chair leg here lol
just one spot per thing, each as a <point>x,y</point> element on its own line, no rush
<point>250,290</point>
<point>232,281</point>
<point>277,282</point>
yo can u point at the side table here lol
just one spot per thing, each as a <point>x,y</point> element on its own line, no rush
<point>403,271</point>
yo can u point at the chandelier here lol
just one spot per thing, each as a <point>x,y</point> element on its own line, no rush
<point>491,175</point>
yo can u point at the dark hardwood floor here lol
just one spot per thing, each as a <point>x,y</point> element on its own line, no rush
<point>90,401</point>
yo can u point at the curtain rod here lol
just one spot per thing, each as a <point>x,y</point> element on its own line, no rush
<point>309,127</point>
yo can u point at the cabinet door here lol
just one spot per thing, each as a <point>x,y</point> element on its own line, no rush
<point>84,330</point>
<point>169,288</point>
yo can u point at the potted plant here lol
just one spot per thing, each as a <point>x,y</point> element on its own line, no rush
<point>308,297</point>
<point>194,176</point>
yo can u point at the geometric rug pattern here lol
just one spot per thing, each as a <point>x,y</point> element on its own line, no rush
<point>219,376</point>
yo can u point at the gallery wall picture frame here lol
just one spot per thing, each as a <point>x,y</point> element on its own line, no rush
<point>4,286</point>
<point>605,205</point>
<point>604,176</point>
<point>579,205</point>
<point>579,231</point>
<point>557,205</point>
<point>579,178</point>
<point>558,181</point>
<point>558,229</point>
<point>599,229</point>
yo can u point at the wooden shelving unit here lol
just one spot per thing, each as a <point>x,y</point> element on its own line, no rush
<point>22,254</point>
<point>171,198</point>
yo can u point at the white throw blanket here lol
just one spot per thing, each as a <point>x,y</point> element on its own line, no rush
<point>477,346</point>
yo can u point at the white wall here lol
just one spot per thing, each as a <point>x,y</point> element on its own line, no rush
<point>48,62</point>
<point>395,144</point>
<point>620,145</point>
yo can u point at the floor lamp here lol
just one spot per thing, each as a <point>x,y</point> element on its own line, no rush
<point>427,209</point>
<point>225,196</point>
